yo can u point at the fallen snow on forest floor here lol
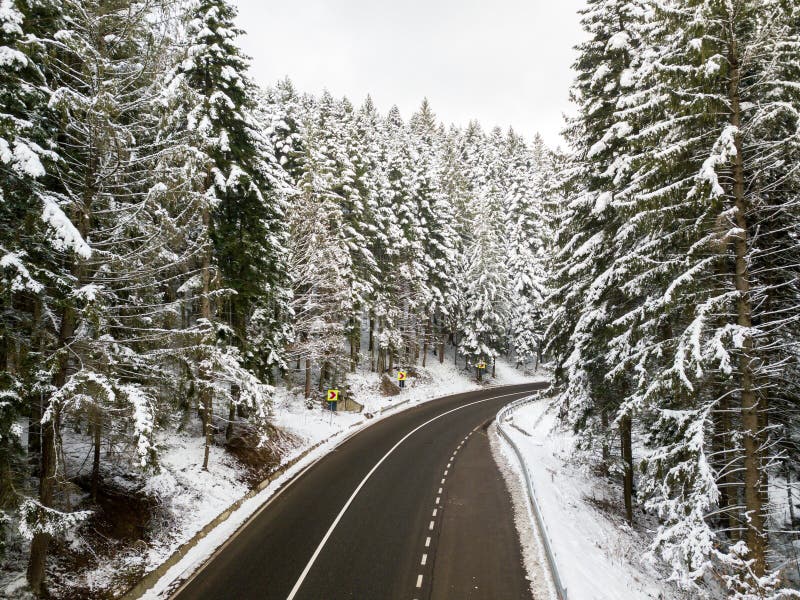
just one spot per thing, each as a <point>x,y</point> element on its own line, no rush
<point>598,556</point>
<point>182,484</point>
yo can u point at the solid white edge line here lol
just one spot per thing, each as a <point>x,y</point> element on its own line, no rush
<point>347,504</point>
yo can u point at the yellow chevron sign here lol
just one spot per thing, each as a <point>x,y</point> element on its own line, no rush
<point>333,395</point>
<point>401,376</point>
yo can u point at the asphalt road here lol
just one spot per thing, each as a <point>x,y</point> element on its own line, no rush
<point>412,507</point>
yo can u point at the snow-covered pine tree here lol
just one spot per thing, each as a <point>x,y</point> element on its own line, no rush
<point>586,300</point>
<point>371,175</point>
<point>437,221</point>
<point>486,302</point>
<point>404,275</point>
<point>105,374</point>
<point>527,234</point>
<point>455,193</point>
<point>346,139</point>
<point>704,343</point>
<point>244,182</point>
<point>36,239</point>
<point>319,260</point>
<point>232,182</point>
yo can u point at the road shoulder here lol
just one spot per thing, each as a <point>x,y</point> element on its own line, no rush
<point>534,559</point>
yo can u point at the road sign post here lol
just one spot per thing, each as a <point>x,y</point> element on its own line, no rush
<point>401,379</point>
<point>481,366</point>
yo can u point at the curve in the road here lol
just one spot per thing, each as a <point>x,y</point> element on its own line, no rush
<point>353,525</point>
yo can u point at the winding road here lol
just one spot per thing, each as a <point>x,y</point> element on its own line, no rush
<point>410,508</point>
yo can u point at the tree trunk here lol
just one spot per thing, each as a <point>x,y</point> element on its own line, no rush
<point>205,313</point>
<point>308,378</point>
<point>235,393</point>
<point>47,477</point>
<point>372,344</point>
<point>355,342</point>
<point>754,493</point>
<point>789,495</point>
<point>323,373</point>
<point>425,343</point>
<point>97,432</point>
<point>494,368</point>
<point>6,489</point>
<point>606,453</point>
<point>207,426</point>
<point>35,398</point>
<point>627,461</point>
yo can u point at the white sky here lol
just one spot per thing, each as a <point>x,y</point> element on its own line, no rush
<point>503,62</point>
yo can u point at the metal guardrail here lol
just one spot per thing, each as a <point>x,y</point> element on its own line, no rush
<point>561,591</point>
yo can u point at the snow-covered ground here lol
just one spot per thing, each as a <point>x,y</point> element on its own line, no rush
<point>598,556</point>
<point>183,484</point>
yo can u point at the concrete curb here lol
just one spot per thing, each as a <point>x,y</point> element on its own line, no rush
<point>152,577</point>
<point>504,413</point>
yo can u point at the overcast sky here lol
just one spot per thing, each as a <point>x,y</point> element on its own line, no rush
<point>503,62</point>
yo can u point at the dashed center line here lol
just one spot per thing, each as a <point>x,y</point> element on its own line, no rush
<point>437,503</point>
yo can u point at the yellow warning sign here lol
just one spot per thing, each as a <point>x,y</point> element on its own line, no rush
<point>481,365</point>
<point>401,376</point>
<point>333,395</point>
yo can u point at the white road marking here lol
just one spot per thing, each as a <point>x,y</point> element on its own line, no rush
<point>446,471</point>
<point>442,481</point>
<point>424,559</point>
<point>437,499</point>
<point>448,465</point>
<point>419,581</point>
<point>440,490</point>
<point>431,525</point>
<point>352,497</point>
<point>435,510</point>
<point>427,542</point>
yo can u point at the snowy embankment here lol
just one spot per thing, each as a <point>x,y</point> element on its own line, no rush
<point>195,497</point>
<point>598,556</point>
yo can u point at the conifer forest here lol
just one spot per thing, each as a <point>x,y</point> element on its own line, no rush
<point>183,251</point>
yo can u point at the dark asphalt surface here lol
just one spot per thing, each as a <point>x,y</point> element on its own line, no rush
<point>375,551</point>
